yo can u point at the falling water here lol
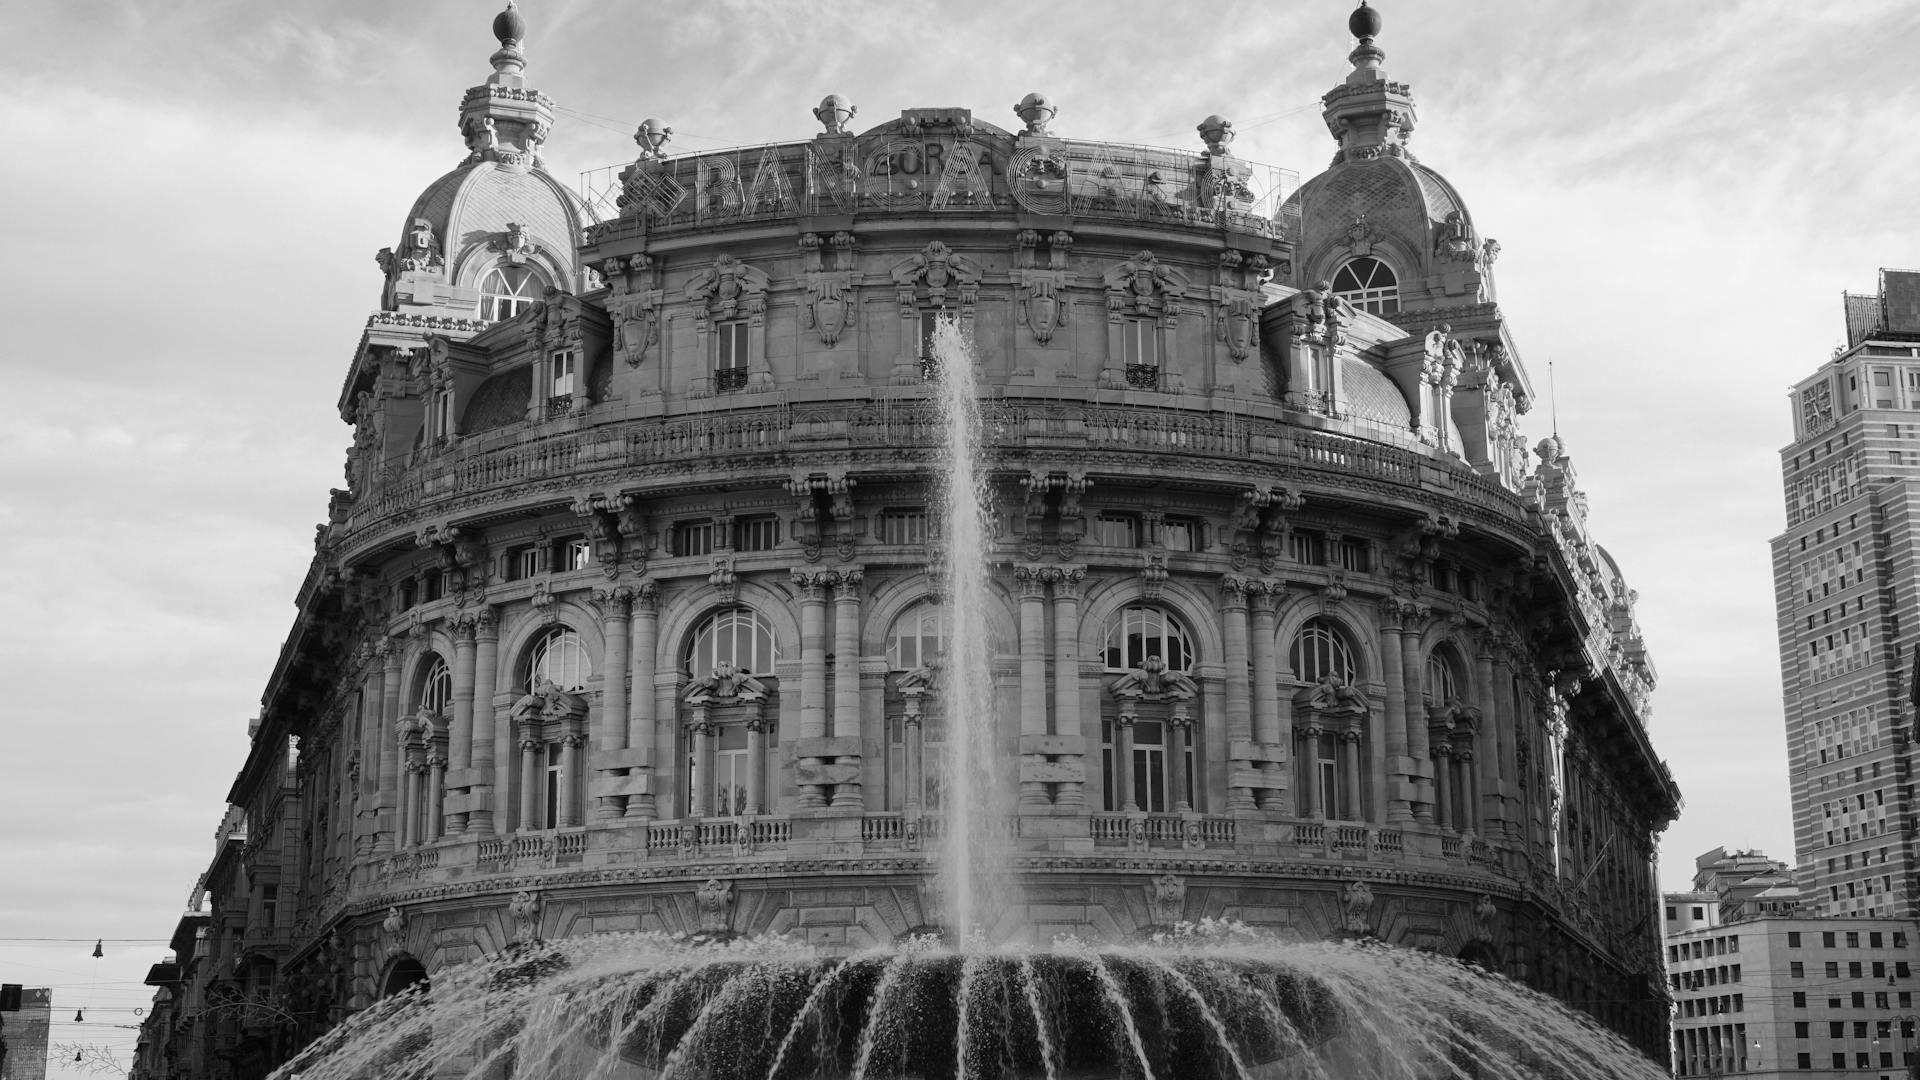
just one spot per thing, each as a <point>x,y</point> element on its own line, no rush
<point>971,881</point>
<point>1235,1007</point>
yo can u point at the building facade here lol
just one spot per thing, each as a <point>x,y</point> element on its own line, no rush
<point>1847,596</point>
<point>24,1035</point>
<point>1790,996</point>
<point>629,615</point>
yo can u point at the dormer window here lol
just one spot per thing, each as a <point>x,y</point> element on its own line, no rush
<point>1370,285</point>
<point>507,291</point>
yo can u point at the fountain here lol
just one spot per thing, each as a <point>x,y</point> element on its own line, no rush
<point>1215,1000</point>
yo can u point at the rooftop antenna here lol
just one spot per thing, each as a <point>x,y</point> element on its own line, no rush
<point>1553,399</point>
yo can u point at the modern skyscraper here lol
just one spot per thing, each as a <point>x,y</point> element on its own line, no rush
<point>1848,599</point>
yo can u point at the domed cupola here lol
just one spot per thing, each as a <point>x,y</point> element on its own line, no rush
<point>489,238</point>
<point>1380,228</point>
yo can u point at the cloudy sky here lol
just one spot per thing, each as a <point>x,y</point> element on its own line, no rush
<point>198,188</point>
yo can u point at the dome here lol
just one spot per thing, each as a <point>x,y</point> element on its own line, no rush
<point>1401,210</point>
<point>482,214</point>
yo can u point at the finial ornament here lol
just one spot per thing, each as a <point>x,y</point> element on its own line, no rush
<point>1365,23</point>
<point>651,137</point>
<point>1036,111</point>
<point>833,112</point>
<point>511,30</point>
<point>1217,132</point>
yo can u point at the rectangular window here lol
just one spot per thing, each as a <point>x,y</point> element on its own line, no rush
<point>566,369</point>
<point>693,538</point>
<point>409,593</point>
<point>1804,1061</point>
<point>572,553</point>
<point>732,345</point>
<point>1853,969</point>
<point>1797,970</point>
<point>1800,1029</point>
<point>1141,343</point>
<point>1833,969</point>
<point>756,533</point>
<point>1859,999</point>
<point>435,581</point>
<point>929,321</point>
<point>1799,999</point>
<point>1836,1029</point>
<point>1180,534</point>
<point>525,563</point>
<point>1305,547</point>
<point>1827,940</point>
<point>1116,530</point>
<point>1353,559</point>
<point>1793,939</point>
<point>905,526</point>
<point>1900,970</point>
<point>1899,936</point>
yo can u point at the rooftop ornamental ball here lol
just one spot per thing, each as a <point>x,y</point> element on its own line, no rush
<point>1036,111</point>
<point>833,113</point>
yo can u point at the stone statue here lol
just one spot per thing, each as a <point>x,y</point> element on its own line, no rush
<point>726,683</point>
<point>394,928</point>
<point>1152,679</point>
<point>422,251</point>
<point>921,679</point>
<point>548,702</point>
<point>525,910</point>
<point>1357,905</point>
<point>1483,915</point>
<point>715,900</point>
<point>1332,694</point>
<point>1167,898</point>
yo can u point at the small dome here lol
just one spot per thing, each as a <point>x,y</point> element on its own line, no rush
<point>1364,22</point>
<point>508,26</point>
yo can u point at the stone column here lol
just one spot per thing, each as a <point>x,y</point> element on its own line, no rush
<point>1123,759</point>
<point>610,728</point>
<point>460,739</point>
<point>757,765</point>
<point>813,675</point>
<point>1033,676</point>
<point>1180,737</point>
<point>1350,755</point>
<point>1486,753</point>
<point>1272,726</point>
<point>1066,581</point>
<point>486,672</point>
<point>1412,670</point>
<point>700,785</point>
<point>388,806</point>
<point>641,713</point>
<point>1443,787</point>
<point>569,798</point>
<point>1399,807</point>
<point>1309,804</point>
<point>1505,749</point>
<point>916,760</point>
<point>410,806</point>
<point>1471,820</point>
<point>846,684</point>
<point>1238,706</point>
<point>436,797</point>
<point>531,752</point>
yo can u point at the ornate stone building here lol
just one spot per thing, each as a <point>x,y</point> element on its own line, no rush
<point>625,618</point>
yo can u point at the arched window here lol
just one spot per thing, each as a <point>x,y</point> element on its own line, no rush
<point>1139,632</point>
<point>1321,649</point>
<point>740,637</point>
<point>507,291</point>
<point>918,635</point>
<point>561,659</point>
<point>1442,683</point>
<point>1368,284</point>
<point>436,688</point>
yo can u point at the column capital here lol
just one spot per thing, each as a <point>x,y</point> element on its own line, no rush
<point>464,626</point>
<point>1235,590</point>
<point>1064,580</point>
<point>646,597</point>
<point>1032,580</point>
<point>486,623</point>
<point>529,743</point>
<point>1264,596</point>
<point>614,602</point>
<point>813,583</point>
<point>847,582</point>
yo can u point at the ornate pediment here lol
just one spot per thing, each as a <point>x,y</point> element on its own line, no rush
<point>727,685</point>
<point>1143,285</point>
<point>1151,681</point>
<point>729,289</point>
<point>938,276</point>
